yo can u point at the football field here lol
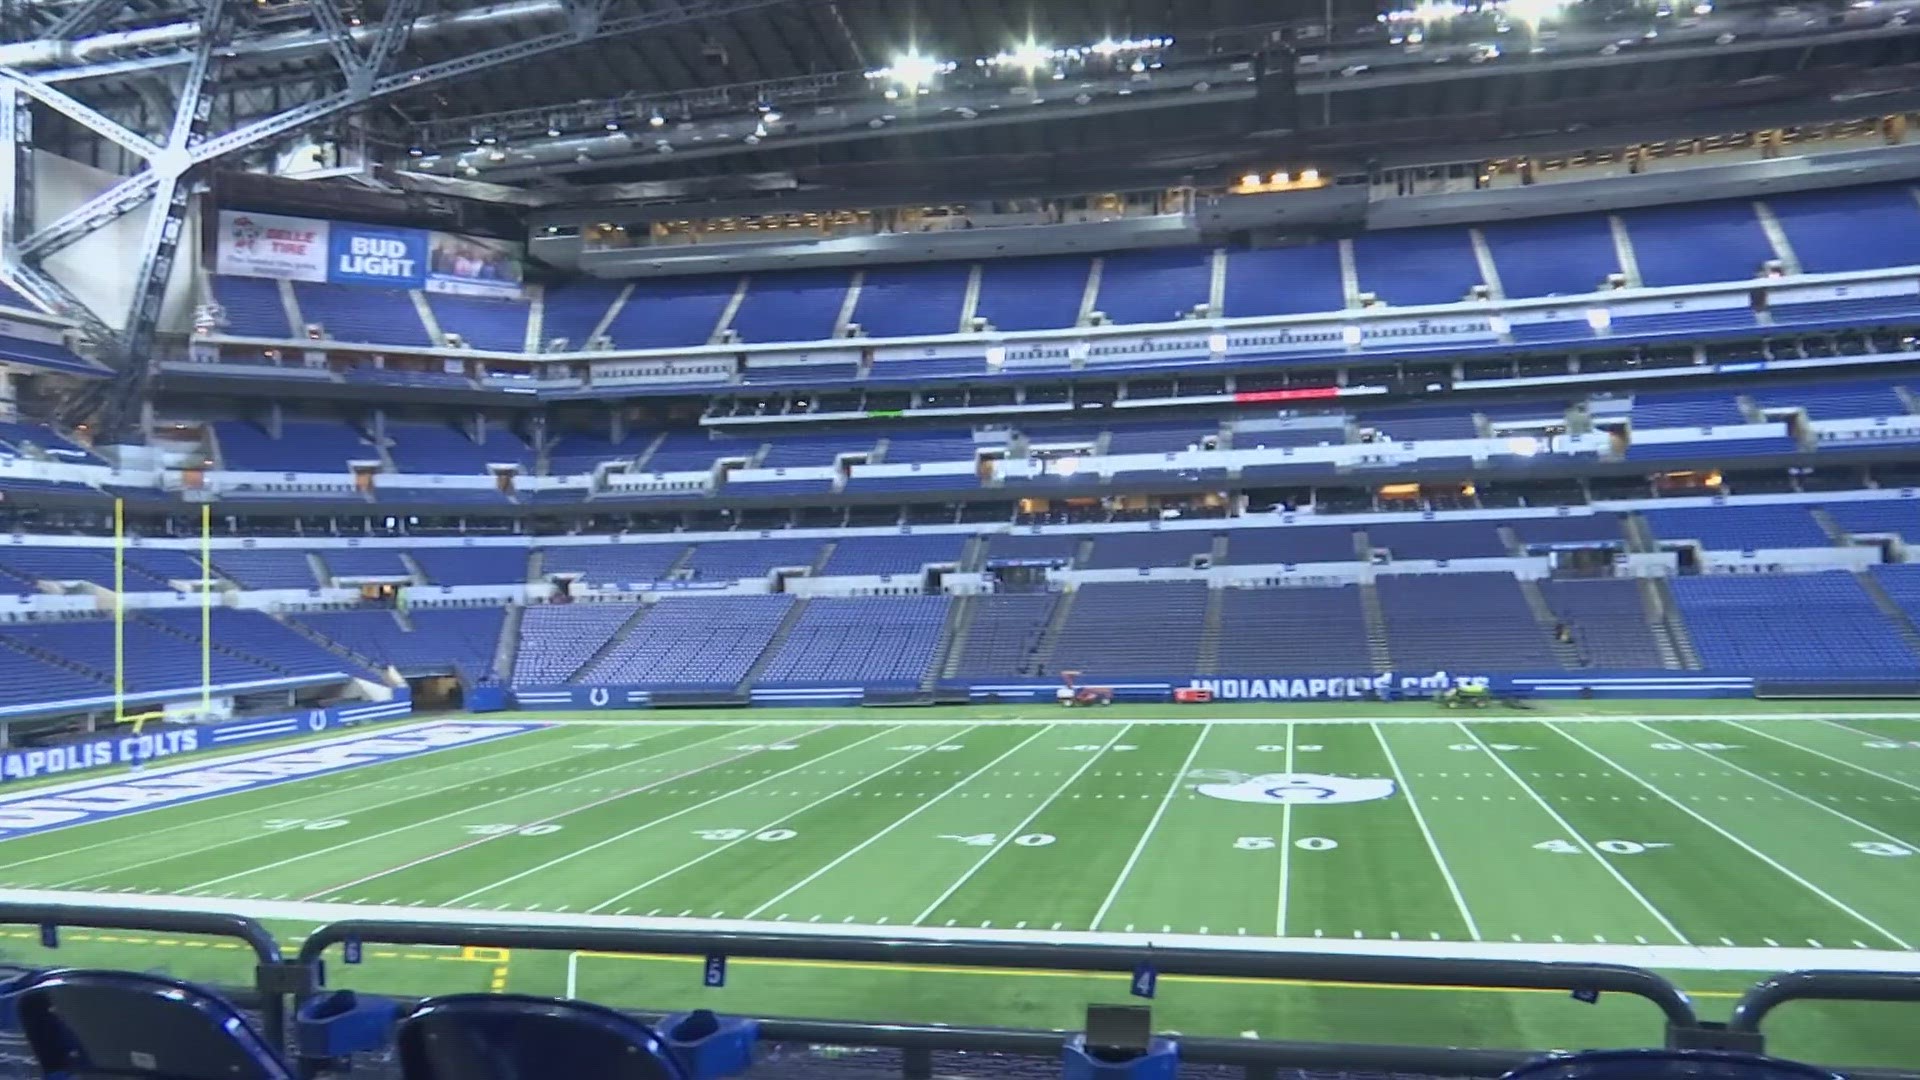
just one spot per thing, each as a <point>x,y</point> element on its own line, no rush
<point>1712,841</point>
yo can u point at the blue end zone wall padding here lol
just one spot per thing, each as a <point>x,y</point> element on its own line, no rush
<point>152,746</point>
<point>1328,687</point>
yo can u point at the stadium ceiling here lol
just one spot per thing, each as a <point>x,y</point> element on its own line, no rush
<point>861,98</point>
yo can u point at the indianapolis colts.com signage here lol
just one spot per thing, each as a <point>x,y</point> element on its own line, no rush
<point>165,742</point>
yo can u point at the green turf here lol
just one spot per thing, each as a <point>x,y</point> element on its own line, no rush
<point>1611,825</point>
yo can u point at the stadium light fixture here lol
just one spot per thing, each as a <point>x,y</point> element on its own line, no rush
<point>1029,56</point>
<point>1251,180</point>
<point>1599,318</point>
<point>1309,176</point>
<point>656,120</point>
<point>1350,335</point>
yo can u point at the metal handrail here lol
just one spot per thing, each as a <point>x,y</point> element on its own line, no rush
<point>1250,964</point>
<point>1772,992</point>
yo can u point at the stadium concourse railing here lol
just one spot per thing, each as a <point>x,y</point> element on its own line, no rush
<point>281,984</point>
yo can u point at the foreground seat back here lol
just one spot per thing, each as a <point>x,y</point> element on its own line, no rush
<point>1666,1065</point>
<point>84,1025</point>
<point>516,1037</point>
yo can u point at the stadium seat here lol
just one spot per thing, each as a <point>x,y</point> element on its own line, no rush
<point>93,1025</point>
<point>1033,294</point>
<point>908,301</point>
<point>517,1037</point>
<point>1407,267</point>
<point>1154,286</point>
<point>252,306</point>
<point>795,305</point>
<point>1292,631</point>
<point>1560,256</point>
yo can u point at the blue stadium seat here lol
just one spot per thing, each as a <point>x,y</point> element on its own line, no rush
<point>574,311</point>
<point>362,313</point>
<point>692,451</point>
<point>45,354</point>
<point>364,562</point>
<point>910,301</point>
<point>266,568</point>
<point>1900,517</point>
<point>663,313</point>
<point>1292,630</point>
<point>736,559</point>
<point>1104,637</point>
<point>253,307</point>
<point>1685,409</point>
<point>472,565</point>
<point>864,555</point>
<point>303,446</point>
<point>1154,286</point>
<point>556,639</point>
<point>1284,281</point>
<point>516,1037</point>
<point>603,564</point>
<point>1864,228</point>
<point>1739,528</point>
<point>1422,614</point>
<point>693,643</point>
<point>482,322</point>
<point>859,641</point>
<point>1002,638</point>
<point>1172,548</point>
<point>1407,267</point>
<point>14,298</point>
<point>437,448</point>
<point>1558,256</point>
<point>1292,544</point>
<point>1698,243</point>
<point>1834,401</point>
<point>795,305</point>
<point>1033,294</point>
<point>1813,625</point>
<point>1666,1065</point>
<point>95,1025</point>
<point>1607,620</point>
<point>1439,539</point>
<point>924,446</point>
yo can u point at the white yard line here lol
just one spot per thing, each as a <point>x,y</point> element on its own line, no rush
<point>911,814</point>
<point>597,845</point>
<point>1020,828</point>
<point>281,808</point>
<point>1433,847</point>
<point>569,812</point>
<point>1822,754</point>
<point>454,813</point>
<point>1808,799</point>
<point>1578,837</point>
<point>1179,780</point>
<point>1742,844</point>
<point>782,819</point>
<point>1659,957</point>
<point>1286,847</point>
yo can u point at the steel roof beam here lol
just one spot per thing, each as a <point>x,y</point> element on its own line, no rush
<point>80,113</point>
<point>84,18</point>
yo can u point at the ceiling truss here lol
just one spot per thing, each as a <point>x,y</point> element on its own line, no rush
<point>369,71</point>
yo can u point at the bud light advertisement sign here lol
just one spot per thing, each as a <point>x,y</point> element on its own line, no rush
<point>363,255</point>
<point>346,253</point>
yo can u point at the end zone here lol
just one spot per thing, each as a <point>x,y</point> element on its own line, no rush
<point>85,801</point>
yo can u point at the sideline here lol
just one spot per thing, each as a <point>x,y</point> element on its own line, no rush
<point>1663,957</point>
